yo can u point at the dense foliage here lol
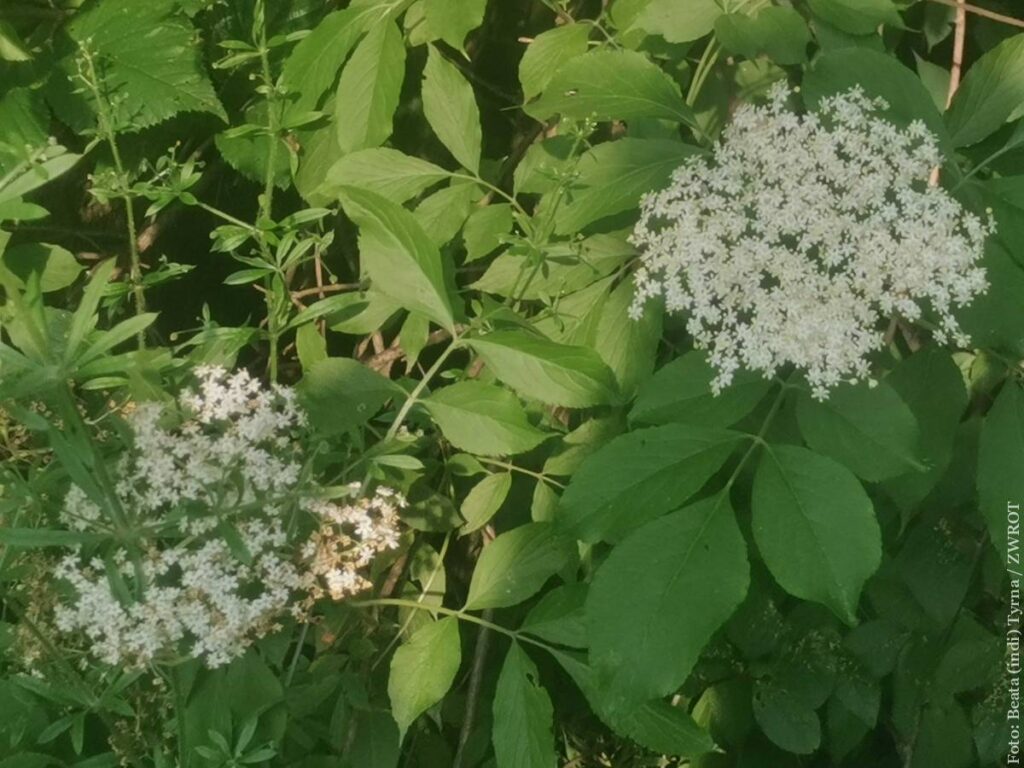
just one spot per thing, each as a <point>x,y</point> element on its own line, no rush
<point>344,423</point>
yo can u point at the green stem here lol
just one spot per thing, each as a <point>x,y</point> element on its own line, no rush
<point>522,470</point>
<point>413,397</point>
<point>267,199</point>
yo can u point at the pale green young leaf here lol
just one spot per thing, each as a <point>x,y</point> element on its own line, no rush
<point>56,266</point>
<point>612,177</point>
<point>386,172</point>
<point>815,528</point>
<point>611,85</point>
<point>485,229</point>
<point>84,318</point>
<point>659,597</point>
<point>858,17</point>
<point>626,344</point>
<point>639,476</point>
<point>523,716</point>
<point>450,107</point>
<point>452,20</point>
<point>423,670</point>
<point>779,32</point>
<point>547,53</point>
<point>442,213</point>
<point>516,565</point>
<point>482,419</point>
<point>400,259</point>
<point>369,89</point>
<point>484,500</point>
<point>558,374</point>
<point>678,22</point>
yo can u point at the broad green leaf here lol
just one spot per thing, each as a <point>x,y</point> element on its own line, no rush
<point>443,213</point>
<point>482,419</point>
<point>423,670</point>
<point>680,392</point>
<point>369,89</point>
<point>858,17</point>
<point>310,346</point>
<point>484,500</point>
<point>516,564</point>
<point>930,383</point>
<point>627,345</point>
<point>559,616</point>
<point>452,20</point>
<point>991,92</point>
<point>779,32</point>
<point>147,56</point>
<point>400,259</point>
<point>341,394</point>
<point>56,266</point>
<point>450,107</point>
<point>360,313</point>
<point>996,318</point>
<point>386,172</point>
<point>656,725</point>
<point>24,123</point>
<point>567,268</point>
<point>660,595</point>
<point>611,85</point>
<point>17,183</point>
<point>870,430</point>
<point>1000,458</point>
<point>377,740</point>
<point>640,476</point>
<point>547,53</point>
<point>613,176</point>
<point>815,528</point>
<point>523,716</point>
<point>485,228</point>
<point>678,22</point>
<point>313,65</point>
<point>557,374</point>
<point>12,47</point>
<point>879,76</point>
<point>785,719</point>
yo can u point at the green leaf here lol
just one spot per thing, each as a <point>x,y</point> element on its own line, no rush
<point>639,476</point>
<point>313,65</point>
<point>369,89</point>
<point>678,22</point>
<point>1000,458</point>
<point>612,177</point>
<point>557,374</point>
<point>34,538</point>
<point>868,429</point>
<point>858,17</point>
<point>485,229</point>
<point>450,108</point>
<point>547,53</point>
<point>931,384</point>
<point>779,32</point>
<point>341,394</point>
<point>56,266</point>
<point>484,500</point>
<point>443,213</point>
<point>659,597</point>
<point>400,259</point>
<point>423,670</point>
<point>656,725</point>
<point>516,564</point>
<point>628,346</point>
<point>559,616</point>
<point>680,392</point>
<point>483,419</point>
<point>523,716</point>
<point>991,92</point>
<point>149,61</point>
<point>452,20</point>
<point>785,719</point>
<point>386,172</point>
<point>815,528</point>
<point>611,85</point>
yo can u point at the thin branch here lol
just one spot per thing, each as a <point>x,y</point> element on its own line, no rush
<point>959,38</point>
<point>983,12</point>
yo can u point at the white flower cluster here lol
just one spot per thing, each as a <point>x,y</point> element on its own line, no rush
<point>803,234</point>
<point>223,557</point>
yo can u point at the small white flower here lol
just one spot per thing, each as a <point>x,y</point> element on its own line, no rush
<point>802,234</point>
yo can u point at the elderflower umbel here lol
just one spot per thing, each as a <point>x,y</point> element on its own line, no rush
<point>218,492</point>
<point>802,234</point>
